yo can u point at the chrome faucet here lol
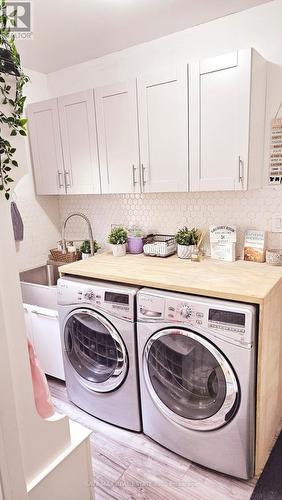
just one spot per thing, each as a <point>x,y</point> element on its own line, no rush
<point>90,233</point>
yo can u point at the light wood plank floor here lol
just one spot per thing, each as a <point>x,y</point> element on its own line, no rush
<point>129,465</point>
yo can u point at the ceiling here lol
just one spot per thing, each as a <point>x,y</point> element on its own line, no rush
<point>67,32</point>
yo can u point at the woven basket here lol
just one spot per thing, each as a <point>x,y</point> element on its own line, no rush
<point>59,256</point>
<point>159,245</point>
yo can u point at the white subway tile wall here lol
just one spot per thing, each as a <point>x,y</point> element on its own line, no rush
<point>166,212</point>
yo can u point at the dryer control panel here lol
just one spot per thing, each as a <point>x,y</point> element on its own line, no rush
<point>116,300</point>
<point>234,322</point>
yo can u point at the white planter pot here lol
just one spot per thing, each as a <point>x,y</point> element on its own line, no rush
<point>185,251</point>
<point>119,250</point>
<point>85,255</point>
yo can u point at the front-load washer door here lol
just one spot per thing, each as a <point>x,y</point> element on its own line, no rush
<point>189,379</point>
<point>95,350</point>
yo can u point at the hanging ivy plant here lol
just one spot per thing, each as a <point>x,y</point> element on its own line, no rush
<point>10,95</point>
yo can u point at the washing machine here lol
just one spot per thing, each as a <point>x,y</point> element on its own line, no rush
<point>98,333</point>
<point>197,378</point>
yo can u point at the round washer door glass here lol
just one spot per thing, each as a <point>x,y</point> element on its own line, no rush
<point>189,379</point>
<point>95,350</point>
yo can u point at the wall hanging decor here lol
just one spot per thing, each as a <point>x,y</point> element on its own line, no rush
<point>12,81</point>
<point>275,164</point>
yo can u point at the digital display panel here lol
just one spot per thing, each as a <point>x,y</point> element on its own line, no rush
<point>116,298</point>
<point>229,317</point>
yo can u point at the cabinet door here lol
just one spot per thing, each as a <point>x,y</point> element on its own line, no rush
<point>79,141</point>
<point>47,341</point>
<point>45,142</point>
<point>163,125</point>
<point>117,127</point>
<point>219,122</point>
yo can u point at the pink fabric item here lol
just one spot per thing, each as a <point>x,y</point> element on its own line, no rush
<point>42,397</point>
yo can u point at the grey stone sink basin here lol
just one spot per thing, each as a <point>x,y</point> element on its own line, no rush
<point>39,286</point>
<point>44,275</point>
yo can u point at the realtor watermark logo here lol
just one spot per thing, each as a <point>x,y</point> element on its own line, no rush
<point>19,19</point>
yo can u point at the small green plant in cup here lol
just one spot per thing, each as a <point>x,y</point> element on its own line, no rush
<point>135,232</point>
<point>187,236</point>
<point>135,240</point>
<point>118,236</point>
<point>118,239</point>
<point>86,249</point>
<point>187,240</point>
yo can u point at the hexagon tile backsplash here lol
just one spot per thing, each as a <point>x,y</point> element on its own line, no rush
<point>166,212</point>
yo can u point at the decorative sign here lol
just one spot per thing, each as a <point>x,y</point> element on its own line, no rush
<point>225,234</point>
<point>254,248</point>
<point>275,167</point>
<point>223,242</point>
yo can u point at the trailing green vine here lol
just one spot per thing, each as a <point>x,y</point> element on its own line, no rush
<point>10,95</point>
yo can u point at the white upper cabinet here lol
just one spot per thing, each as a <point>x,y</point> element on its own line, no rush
<point>79,142</point>
<point>142,133</point>
<point>117,127</point>
<point>163,127</point>
<point>226,122</point>
<point>45,141</point>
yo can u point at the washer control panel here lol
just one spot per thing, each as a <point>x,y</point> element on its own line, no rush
<point>231,321</point>
<point>112,299</point>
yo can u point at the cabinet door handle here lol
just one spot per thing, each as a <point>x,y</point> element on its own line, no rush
<point>60,175</point>
<point>67,179</point>
<point>240,169</point>
<point>143,174</point>
<point>45,315</point>
<point>133,175</point>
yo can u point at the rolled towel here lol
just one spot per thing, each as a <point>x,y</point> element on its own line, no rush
<point>17,222</point>
<point>42,397</point>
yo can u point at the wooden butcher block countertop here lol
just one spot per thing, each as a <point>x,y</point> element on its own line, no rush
<point>240,280</point>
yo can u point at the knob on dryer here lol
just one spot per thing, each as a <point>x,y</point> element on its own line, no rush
<point>186,311</point>
<point>89,294</point>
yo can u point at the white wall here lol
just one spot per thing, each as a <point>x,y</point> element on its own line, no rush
<point>40,214</point>
<point>260,28</point>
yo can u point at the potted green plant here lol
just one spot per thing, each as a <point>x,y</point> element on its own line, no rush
<point>86,250</point>
<point>135,240</point>
<point>12,82</point>
<point>187,240</point>
<point>118,239</point>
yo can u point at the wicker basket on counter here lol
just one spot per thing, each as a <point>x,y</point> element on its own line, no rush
<point>159,245</point>
<point>59,256</point>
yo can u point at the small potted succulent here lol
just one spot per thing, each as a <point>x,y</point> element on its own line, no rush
<point>85,248</point>
<point>135,240</point>
<point>187,240</point>
<point>118,240</point>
